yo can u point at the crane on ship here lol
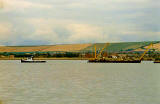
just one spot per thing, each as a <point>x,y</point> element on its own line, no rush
<point>148,48</point>
<point>98,59</point>
<point>100,53</point>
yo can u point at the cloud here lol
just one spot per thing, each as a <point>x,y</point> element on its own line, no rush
<point>1,4</point>
<point>5,30</point>
<point>67,31</point>
<point>58,31</point>
<point>103,5</point>
<point>79,21</point>
<point>23,5</point>
<point>85,33</point>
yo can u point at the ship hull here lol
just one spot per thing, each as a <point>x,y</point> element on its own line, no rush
<point>115,61</point>
<point>156,61</point>
<point>33,61</point>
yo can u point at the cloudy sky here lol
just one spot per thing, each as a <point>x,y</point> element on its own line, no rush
<point>41,22</point>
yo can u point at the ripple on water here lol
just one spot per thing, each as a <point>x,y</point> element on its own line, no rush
<point>78,82</point>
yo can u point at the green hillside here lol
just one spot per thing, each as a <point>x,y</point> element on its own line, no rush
<point>119,47</point>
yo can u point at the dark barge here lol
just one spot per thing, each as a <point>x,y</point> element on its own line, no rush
<point>114,61</point>
<point>157,61</point>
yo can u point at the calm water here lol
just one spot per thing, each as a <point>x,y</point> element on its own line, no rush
<point>79,82</point>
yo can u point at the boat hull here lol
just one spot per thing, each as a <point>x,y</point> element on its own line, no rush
<point>34,61</point>
<point>114,61</point>
<point>156,61</point>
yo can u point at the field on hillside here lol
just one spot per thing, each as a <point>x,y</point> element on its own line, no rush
<point>123,46</point>
<point>67,47</point>
<point>113,47</point>
<point>155,46</point>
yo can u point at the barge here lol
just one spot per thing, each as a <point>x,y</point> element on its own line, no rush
<point>157,61</point>
<point>114,61</point>
<point>100,59</point>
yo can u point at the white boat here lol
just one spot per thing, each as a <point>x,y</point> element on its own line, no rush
<point>30,60</point>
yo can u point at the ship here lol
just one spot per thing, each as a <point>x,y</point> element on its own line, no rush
<point>30,60</point>
<point>98,59</point>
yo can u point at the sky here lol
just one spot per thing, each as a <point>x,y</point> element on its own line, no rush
<point>46,22</point>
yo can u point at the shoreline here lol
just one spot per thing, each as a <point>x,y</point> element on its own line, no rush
<point>47,58</point>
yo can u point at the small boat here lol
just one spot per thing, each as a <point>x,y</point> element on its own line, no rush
<point>30,60</point>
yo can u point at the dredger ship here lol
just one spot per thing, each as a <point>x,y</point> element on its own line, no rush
<point>97,58</point>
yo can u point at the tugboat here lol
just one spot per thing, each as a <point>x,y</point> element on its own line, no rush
<point>30,60</point>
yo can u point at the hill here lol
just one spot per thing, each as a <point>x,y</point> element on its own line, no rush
<point>113,47</point>
<point>66,47</point>
<point>125,46</point>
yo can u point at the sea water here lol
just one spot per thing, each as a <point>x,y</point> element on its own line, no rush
<point>79,82</point>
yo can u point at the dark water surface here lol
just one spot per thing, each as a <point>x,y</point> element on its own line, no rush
<point>79,82</point>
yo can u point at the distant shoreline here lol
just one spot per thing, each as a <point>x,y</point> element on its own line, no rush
<point>47,58</point>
